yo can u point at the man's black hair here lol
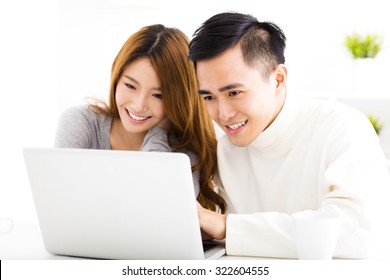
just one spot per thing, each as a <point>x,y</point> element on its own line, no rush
<point>262,42</point>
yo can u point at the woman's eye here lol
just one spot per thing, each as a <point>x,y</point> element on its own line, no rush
<point>208,98</point>
<point>129,86</point>
<point>157,95</point>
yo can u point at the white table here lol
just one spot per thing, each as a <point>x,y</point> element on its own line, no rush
<point>25,243</point>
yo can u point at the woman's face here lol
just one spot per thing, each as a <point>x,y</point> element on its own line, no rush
<point>139,98</point>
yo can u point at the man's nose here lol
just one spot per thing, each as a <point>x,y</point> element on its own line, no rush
<point>225,111</point>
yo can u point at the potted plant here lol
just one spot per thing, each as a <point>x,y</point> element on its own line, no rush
<point>376,123</point>
<point>364,50</point>
<point>367,46</point>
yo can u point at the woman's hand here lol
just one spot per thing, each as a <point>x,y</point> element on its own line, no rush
<point>212,224</point>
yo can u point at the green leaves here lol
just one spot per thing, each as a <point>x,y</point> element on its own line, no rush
<point>376,123</point>
<point>363,46</point>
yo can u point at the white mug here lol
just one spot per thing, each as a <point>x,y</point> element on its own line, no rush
<point>6,225</point>
<point>316,234</point>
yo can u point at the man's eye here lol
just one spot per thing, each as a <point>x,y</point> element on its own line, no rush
<point>157,95</point>
<point>234,93</point>
<point>208,98</point>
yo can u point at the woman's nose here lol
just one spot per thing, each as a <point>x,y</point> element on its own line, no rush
<point>139,104</point>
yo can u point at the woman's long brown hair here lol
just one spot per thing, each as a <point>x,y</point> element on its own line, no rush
<point>191,128</point>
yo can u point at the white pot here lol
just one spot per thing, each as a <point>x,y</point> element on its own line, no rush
<point>365,78</point>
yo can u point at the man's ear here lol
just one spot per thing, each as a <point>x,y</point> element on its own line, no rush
<point>280,74</point>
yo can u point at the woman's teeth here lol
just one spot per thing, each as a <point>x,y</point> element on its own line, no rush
<point>236,125</point>
<point>137,118</point>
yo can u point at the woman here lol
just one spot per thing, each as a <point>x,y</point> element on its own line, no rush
<point>153,106</point>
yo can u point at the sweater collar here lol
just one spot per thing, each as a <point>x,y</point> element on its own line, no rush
<point>277,138</point>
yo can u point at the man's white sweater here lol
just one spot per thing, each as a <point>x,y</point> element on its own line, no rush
<point>316,155</point>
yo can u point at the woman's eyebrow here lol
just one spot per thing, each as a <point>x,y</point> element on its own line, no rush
<point>131,79</point>
<point>138,83</point>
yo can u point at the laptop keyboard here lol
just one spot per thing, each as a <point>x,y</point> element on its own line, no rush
<point>208,245</point>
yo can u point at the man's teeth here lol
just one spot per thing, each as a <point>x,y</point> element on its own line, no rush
<point>137,118</point>
<point>236,125</point>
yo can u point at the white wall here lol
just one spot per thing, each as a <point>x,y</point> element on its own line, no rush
<point>29,94</point>
<point>56,52</point>
<point>91,33</point>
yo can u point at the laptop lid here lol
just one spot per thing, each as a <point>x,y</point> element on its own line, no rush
<point>115,204</point>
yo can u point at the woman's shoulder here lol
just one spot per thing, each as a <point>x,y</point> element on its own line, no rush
<point>74,112</point>
<point>194,158</point>
<point>83,113</point>
<point>81,127</point>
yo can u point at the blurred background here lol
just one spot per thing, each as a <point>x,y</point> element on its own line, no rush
<point>54,53</point>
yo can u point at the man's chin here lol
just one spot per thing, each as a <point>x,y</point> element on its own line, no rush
<point>239,141</point>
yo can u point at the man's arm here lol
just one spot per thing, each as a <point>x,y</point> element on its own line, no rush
<point>212,223</point>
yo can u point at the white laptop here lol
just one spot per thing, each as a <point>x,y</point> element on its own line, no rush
<point>116,204</point>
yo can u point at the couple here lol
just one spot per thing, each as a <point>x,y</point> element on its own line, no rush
<point>279,154</point>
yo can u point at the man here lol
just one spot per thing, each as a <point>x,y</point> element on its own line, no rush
<point>280,154</point>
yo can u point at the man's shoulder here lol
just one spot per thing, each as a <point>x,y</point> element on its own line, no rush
<point>334,118</point>
<point>329,108</point>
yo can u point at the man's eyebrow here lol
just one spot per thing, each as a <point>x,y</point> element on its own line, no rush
<point>201,91</point>
<point>136,82</point>
<point>231,86</point>
<point>222,89</point>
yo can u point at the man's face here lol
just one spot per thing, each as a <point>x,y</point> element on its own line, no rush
<point>238,98</point>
